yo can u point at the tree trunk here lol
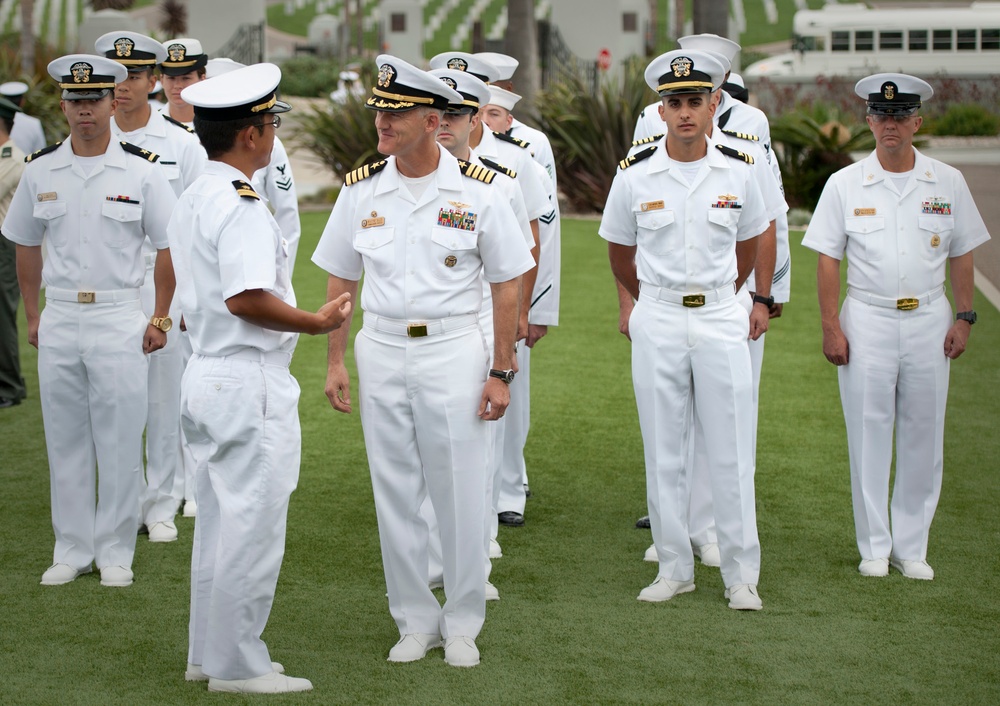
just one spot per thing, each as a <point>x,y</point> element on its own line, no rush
<point>522,44</point>
<point>711,16</point>
<point>27,37</point>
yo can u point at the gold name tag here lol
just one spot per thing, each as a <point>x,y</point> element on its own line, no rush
<point>47,196</point>
<point>652,205</point>
<point>373,222</point>
<point>864,212</point>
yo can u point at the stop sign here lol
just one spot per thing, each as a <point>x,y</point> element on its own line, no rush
<point>604,59</point>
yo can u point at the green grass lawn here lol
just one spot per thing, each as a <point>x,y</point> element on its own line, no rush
<point>568,628</point>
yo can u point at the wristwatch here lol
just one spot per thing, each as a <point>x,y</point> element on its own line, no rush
<point>969,316</point>
<point>761,299</point>
<point>506,375</point>
<point>164,323</point>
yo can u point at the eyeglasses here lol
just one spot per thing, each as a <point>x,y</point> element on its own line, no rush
<point>879,119</point>
<point>276,122</point>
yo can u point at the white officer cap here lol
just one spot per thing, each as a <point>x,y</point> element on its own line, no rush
<point>684,71</point>
<point>736,80</point>
<point>505,99</point>
<point>85,76</point>
<point>184,55</point>
<point>134,51</point>
<point>893,94</point>
<point>506,65</point>
<point>463,61</point>
<point>400,86</point>
<point>242,93</point>
<point>349,76</point>
<point>13,89</point>
<point>221,65</point>
<point>475,94</point>
<point>711,42</point>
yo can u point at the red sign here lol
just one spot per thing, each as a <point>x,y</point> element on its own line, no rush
<point>604,59</point>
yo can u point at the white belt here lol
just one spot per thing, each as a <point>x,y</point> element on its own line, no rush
<point>903,304</point>
<point>282,358</point>
<point>91,297</point>
<point>150,258</point>
<point>419,329</point>
<point>689,299</point>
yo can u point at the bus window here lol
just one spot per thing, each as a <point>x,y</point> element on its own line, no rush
<point>840,40</point>
<point>864,40</point>
<point>918,40</point>
<point>991,39</point>
<point>965,39</point>
<point>942,40</point>
<point>890,41</point>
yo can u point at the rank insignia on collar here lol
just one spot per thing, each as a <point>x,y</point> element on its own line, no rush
<point>7,152</point>
<point>929,174</point>
<point>457,218</point>
<point>373,222</point>
<point>870,177</point>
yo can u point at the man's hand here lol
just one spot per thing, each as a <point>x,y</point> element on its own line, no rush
<point>957,338</point>
<point>835,346</point>
<point>153,340</point>
<point>522,326</point>
<point>759,316</point>
<point>535,332</point>
<point>33,330</point>
<point>338,387</point>
<point>625,307</point>
<point>332,314</point>
<point>775,311</point>
<point>496,397</point>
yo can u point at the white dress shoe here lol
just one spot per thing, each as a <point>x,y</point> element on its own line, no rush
<point>743,596</point>
<point>194,671</point>
<point>461,652</point>
<point>913,569</point>
<point>162,532</point>
<point>651,555</point>
<point>58,574</point>
<point>874,567</point>
<point>709,554</point>
<point>116,576</point>
<point>495,551</point>
<point>492,594</point>
<point>413,646</point>
<point>271,683</point>
<point>190,509</point>
<point>663,589</point>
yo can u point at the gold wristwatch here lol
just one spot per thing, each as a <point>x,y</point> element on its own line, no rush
<point>163,323</point>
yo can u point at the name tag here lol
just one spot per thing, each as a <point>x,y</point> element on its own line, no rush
<point>864,212</point>
<point>373,222</point>
<point>48,196</point>
<point>652,206</point>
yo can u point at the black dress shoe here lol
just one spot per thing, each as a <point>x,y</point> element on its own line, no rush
<point>527,491</point>
<point>642,522</point>
<point>9,401</point>
<point>511,518</point>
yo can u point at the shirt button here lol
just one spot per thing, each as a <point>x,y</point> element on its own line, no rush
<point>218,386</point>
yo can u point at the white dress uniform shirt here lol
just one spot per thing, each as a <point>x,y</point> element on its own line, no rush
<point>276,183</point>
<point>182,158</point>
<point>28,133</point>
<point>518,159</point>
<point>539,146</point>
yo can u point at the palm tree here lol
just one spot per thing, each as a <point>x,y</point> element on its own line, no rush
<point>27,37</point>
<point>522,44</point>
<point>173,17</point>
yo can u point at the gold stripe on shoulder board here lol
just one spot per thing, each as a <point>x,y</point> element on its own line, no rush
<point>364,172</point>
<point>741,135</point>
<point>646,141</point>
<point>637,157</point>
<point>735,154</point>
<point>477,172</point>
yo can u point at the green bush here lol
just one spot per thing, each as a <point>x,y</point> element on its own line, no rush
<point>42,99</point>
<point>343,136</point>
<point>964,120</point>
<point>811,144</point>
<point>309,76</point>
<point>592,131</point>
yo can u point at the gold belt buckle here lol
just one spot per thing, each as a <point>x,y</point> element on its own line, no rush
<point>86,297</point>
<point>416,330</point>
<point>693,300</point>
<point>907,304</point>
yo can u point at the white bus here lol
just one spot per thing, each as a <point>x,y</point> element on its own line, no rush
<point>856,40</point>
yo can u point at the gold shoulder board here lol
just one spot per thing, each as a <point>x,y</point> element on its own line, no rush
<point>735,154</point>
<point>498,167</point>
<point>364,172</point>
<point>476,172</point>
<point>245,190</point>
<point>43,151</point>
<point>512,140</point>
<point>741,135</point>
<point>654,138</point>
<point>637,157</point>
<point>140,152</point>
<point>178,123</point>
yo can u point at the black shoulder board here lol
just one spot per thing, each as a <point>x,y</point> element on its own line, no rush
<point>145,154</point>
<point>735,154</point>
<point>498,167</point>
<point>245,190</point>
<point>741,135</point>
<point>44,150</point>
<point>364,172</point>
<point>178,123</point>
<point>654,138</point>
<point>637,157</point>
<point>7,152</point>
<point>512,140</point>
<point>474,171</point>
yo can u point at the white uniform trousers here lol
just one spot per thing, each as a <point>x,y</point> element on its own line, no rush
<point>513,470</point>
<point>241,418</point>
<point>701,516</point>
<point>161,494</point>
<point>897,377</point>
<point>92,383</point>
<point>184,478</point>
<point>683,356</point>
<point>419,399</point>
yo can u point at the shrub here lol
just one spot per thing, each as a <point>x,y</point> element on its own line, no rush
<point>42,99</point>
<point>591,131</point>
<point>964,120</point>
<point>811,144</point>
<point>309,76</point>
<point>342,135</point>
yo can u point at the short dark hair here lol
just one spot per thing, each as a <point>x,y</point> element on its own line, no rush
<point>219,136</point>
<point>8,123</point>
